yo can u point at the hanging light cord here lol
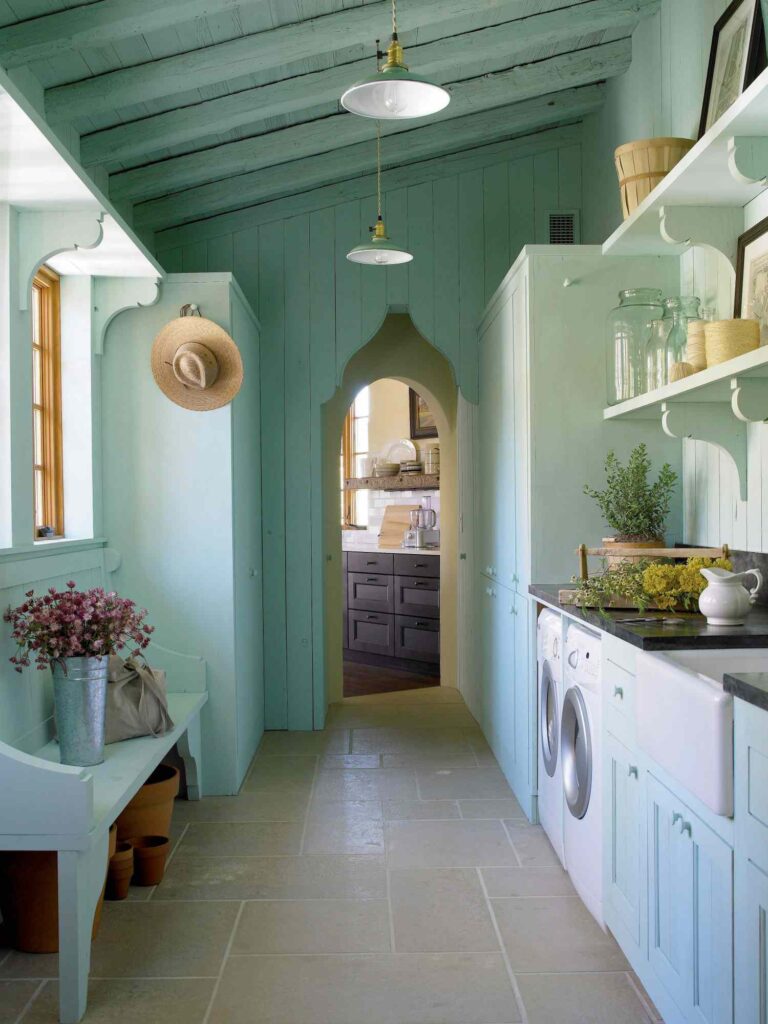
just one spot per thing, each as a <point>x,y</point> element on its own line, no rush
<point>394,18</point>
<point>378,169</point>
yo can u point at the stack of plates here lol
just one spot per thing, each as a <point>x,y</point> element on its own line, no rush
<point>410,467</point>
<point>386,469</point>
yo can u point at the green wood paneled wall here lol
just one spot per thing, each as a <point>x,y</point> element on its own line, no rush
<point>316,310</point>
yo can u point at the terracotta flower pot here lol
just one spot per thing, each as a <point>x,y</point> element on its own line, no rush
<point>29,898</point>
<point>628,551</point>
<point>120,871</point>
<point>150,811</point>
<point>149,856</point>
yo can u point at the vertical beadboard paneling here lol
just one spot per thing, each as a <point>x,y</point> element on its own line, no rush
<point>220,253</point>
<point>445,218</point>
<point>348,286</point>
<point>373,283</point>
<point>496,226</point>
<point>545,186</point>
<point>194,259</point>
<point>396,218</point>
<point>421,272</point>
<point>472,275</point>
<point>245,252</point>
<point>522,216</point>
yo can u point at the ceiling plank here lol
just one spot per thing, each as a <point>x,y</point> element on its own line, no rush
<point>569,70</point>
<point>253,54</point>
<point>417,144</point>
<point>508,42</point>
<point>100,24</point>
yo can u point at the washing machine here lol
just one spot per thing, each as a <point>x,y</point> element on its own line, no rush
<point>581,757</point>
<point>550,702</point>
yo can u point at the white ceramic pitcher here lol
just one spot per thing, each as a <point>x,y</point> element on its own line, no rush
<point>726,602</point>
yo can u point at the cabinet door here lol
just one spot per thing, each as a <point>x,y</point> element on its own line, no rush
<point>751,932</point>
<point>370,592</point>
<point>371,632</point>
<point>690,902</point>
<point>505,553</point>
<point>486,606</point>
<point>525,700</point>
<point>521,434</point>
<point>624,837</point>
<point>487,445</point>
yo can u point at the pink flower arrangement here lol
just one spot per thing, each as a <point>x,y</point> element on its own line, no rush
<point>74,624</point>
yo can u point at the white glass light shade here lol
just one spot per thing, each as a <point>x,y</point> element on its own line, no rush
<point>395,93</point>
<point>379,252</point>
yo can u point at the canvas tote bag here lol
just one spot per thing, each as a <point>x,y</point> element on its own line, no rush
<point>137,704</point>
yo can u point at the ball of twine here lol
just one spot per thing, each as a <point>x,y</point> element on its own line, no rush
<point>696,349</point>
<point>679,370</point>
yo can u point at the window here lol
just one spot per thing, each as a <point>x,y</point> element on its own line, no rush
<point>354,455</point>
<point>46,404</point>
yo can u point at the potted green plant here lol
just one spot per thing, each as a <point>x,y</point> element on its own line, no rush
<point>636,508</point>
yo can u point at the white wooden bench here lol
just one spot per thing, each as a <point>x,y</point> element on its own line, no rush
<point>45,805</point>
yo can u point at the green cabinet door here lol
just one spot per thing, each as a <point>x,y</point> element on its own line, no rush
<point>488,445</point>
<point>624,839</point>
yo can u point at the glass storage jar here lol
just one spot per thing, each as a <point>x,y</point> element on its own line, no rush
<point>628,330</point>
<point>656,365</point>
<point>678,311</point>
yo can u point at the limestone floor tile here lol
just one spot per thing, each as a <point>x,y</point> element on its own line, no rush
<point>407,717</point>
<point>519,883</point>
<point>14,996</point>
<point>531,844</point>
<point>388,740</point>
<point>428,760</point>
<point>501,807</point>
<point>555,935</point>
<point>241,839</point>
<point>285,768</point>
<point>367,761</point>
<point>449,988</point>
<point>257,806</point>
<point>468,783</point>
<point>342,810</point>
<point>645,999</point>
<point>581,999</point>
<point>293,744</point>
<point>436,910</point>
<point>338,827</point>
<point>256,878</point>
<point>423,695</point>
<point>435,844</point>
<point>409,810</point>
<point>360,784</point>
<point>313,926</point>
<point>132,1002</point>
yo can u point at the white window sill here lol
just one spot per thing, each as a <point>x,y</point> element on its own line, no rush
<point>50,546</point>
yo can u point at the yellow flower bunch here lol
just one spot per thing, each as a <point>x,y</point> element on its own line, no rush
<point>670,585</point>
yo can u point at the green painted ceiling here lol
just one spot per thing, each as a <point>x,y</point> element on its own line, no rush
<point>189,108</point>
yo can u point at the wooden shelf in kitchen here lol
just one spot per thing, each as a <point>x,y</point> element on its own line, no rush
<point>401,482</point>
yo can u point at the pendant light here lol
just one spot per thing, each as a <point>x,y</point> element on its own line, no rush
<point>394,92</point>
<point>379,251</point>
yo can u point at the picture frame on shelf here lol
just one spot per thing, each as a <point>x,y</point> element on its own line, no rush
<point>736,58</point>
<point>422,420</point>
<point>751,299</point>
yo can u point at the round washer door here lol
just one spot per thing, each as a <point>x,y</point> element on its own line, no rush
<point>549,720</point>
<point>576,752</point>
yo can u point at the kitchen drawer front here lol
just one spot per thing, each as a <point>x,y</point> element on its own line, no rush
<point>370,592</point>
<point>418,639</point>
<point>372,632</point>
<point>417,596</point>
<point>620,653</point>
<point>619,690</point>
<point>417,565</point>
<point>370,561</point>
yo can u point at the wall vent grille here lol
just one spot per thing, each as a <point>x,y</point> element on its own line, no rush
<point>563,227</point>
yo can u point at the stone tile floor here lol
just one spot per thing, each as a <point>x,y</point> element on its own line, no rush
<point>379,872</point>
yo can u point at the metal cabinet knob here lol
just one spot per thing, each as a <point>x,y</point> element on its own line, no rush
<point>618,692</point>
<point>686,828</point>
<point>633,773</point>
<point>676,817</point>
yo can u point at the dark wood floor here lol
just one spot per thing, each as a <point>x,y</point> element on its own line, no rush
<point>362,680</point>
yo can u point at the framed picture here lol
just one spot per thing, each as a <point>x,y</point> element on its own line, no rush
<point>422,421</point>
<point>736,59</point>
<point>751,300</point>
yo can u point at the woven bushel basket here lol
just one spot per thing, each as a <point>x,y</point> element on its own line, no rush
<point>642,164</point>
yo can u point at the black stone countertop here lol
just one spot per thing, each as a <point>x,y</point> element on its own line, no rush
<point>749,686</point>
<point>690,633</point>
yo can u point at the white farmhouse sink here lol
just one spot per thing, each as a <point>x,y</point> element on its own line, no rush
<point>685,718</point>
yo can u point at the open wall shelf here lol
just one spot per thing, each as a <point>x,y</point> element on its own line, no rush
<point>701,200</point>
<point>401,482</point>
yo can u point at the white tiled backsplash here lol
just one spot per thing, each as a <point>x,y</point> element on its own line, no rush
<point>378,501</point>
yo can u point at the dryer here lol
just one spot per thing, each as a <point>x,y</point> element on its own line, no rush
<point>581,756</point>
<point>549,706</point>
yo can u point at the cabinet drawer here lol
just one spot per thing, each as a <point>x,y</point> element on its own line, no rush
<point>370,592</point>
<point>417,596</point>
<point>418,639</point>
<point>370,561</point>
<point>417,565</point>
<point>372,632</point>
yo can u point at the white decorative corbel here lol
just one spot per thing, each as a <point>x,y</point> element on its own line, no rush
<point>112,295</point>
<point>748,159</point>
<point>749,399</point>
<point>112,559</point>
<point>714,227</point>
<point>714,423</point>
<point>45,233</point>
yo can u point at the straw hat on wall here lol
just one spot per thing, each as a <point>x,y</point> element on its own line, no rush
<point>196,363</point>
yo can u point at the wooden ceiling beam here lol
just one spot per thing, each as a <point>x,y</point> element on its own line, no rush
<point>100,24</point>
<point>417,144</point>
<point>255,54</point>
<point>581,67</point>
<point>505,43</point>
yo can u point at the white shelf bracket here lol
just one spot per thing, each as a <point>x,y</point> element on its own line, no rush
<point>748,159</point>
<point>749,399</point>
<point>112,295</point>
<point>715,227</point>
<point>714,423</point>
<point>45,233</point>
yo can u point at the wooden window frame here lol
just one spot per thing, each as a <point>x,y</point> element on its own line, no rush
<point>47,284</point>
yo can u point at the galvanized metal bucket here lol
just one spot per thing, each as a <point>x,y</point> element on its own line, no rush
<point>80,698</point>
